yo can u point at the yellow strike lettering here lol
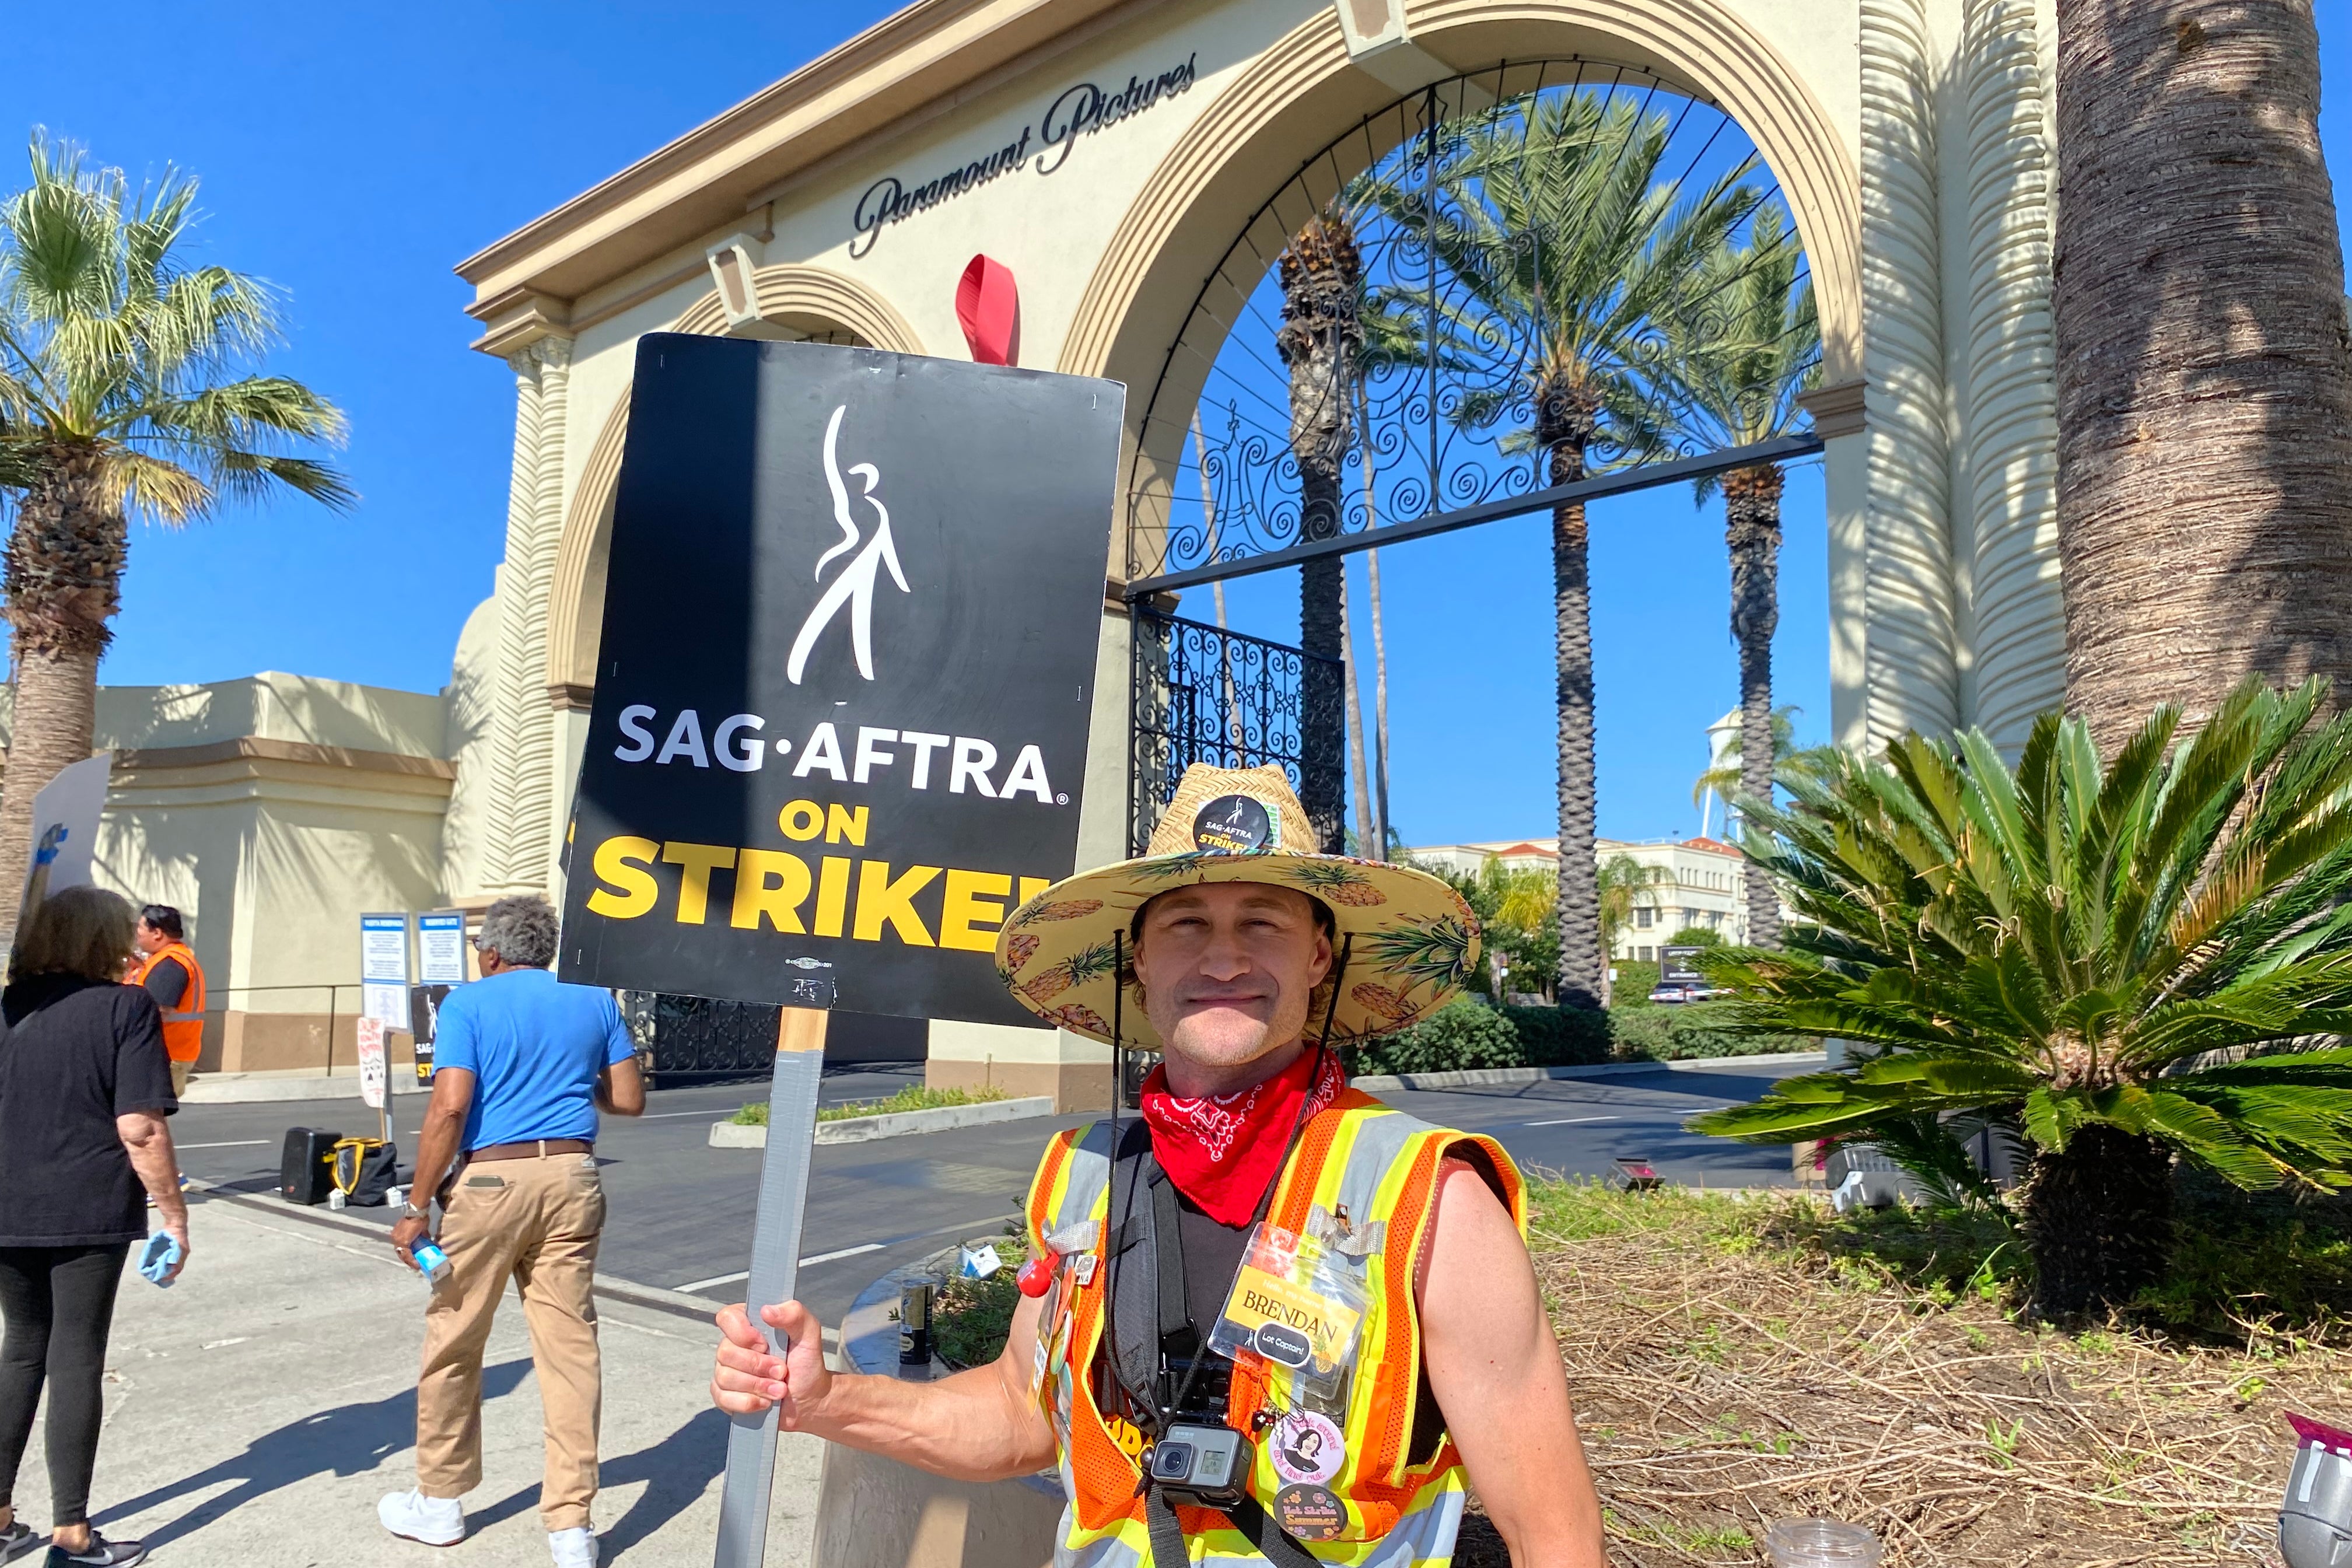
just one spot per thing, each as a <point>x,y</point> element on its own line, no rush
<point>842,825</point>
<point>697,862</point>
<point>779,898</point>
<point>964,903</point>
<point>882,901</point>
<point>801,820</point>
<point>832,895</point>
<point>1030,888</point>
<point>621,865</point>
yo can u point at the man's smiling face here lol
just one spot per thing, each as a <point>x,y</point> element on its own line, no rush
<point>1228,969</point>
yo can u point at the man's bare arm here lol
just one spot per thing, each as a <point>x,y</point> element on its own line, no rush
<point>1496,1371</point>
<point>621,1088</point>
<point>978,1425</point>
<point>437,1151</point>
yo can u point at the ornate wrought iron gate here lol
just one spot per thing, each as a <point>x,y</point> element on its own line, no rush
<point>1202,694</point>
<point>693,1036</point>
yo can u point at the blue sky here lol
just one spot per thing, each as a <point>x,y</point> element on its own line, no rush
<point>351,154</point>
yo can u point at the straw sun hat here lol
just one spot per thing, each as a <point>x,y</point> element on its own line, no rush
<point>1410,940</point>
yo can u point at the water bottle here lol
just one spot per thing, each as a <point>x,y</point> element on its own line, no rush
<point>431,1261</point>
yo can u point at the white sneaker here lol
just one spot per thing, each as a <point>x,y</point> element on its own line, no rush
<point>573,1548</point>
<point>412,1516</point>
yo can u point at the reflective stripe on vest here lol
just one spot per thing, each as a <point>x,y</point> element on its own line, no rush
<point>1378,1166</point>
<point>183,1027</point>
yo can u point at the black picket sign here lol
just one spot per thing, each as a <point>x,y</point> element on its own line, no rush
<point>846,671</point>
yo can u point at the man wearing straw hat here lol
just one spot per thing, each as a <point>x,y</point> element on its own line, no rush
<point>1270,1319</point>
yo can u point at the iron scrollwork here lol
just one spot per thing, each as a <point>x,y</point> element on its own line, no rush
<point>1203,694</point>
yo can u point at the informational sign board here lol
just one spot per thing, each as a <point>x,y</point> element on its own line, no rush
<point>441,947</point>
<point>845,674</point>
<point>1678,966</point>
<point>65,832</point>
<point>425,1024</point>
<point>383,969</point>
<point>372,1073</point>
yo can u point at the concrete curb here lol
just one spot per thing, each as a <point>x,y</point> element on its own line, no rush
<point>1495,1077</point>
<point>897,1124</point>
<point>677,1303</point>
<point>259,1089</point>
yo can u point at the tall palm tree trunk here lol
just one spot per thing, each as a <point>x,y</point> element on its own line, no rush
<point>1567,417</point>
<point>2204,376</point>
<point>1319,339</point>
<point>1751,528</point>
<point>63,563</point>
<point>1364,813</point>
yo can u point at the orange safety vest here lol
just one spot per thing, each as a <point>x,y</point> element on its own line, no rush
<point>184,1025</point>
<point>1364,1174</point>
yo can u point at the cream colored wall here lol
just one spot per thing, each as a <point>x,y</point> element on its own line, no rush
<point>271,812</point>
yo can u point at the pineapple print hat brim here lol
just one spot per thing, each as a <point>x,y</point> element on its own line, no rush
<point>1415,941</point>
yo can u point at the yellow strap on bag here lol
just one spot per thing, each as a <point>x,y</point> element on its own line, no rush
<point>360,1148</point>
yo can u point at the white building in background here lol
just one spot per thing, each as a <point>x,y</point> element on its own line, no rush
<point>1700,885</point>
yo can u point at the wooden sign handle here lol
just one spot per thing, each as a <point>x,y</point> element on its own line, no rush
<point>775,1268</point>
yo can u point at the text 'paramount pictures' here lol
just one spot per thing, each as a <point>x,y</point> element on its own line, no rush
<point>847,666</point>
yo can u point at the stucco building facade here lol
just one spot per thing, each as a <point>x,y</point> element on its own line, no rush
<point>1910,140</point>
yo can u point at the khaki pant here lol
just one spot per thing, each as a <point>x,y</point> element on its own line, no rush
<point>536,1222</point>
<point>179,1072</point>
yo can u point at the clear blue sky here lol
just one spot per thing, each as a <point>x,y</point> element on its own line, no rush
<point>352,154</point>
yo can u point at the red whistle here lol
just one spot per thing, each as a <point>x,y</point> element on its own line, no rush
<point>1038,1274</point>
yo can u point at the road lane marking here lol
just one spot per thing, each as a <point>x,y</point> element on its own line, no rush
<point>1572,1120</point>
<point>719,1111</point>
<point>240,1143</point>
<point>805,1263</point>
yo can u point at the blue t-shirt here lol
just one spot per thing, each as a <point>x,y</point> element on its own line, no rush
<point>534,1047</point>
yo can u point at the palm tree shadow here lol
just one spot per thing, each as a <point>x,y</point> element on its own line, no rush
<point>677,1470</point>
<point>348,1440</point>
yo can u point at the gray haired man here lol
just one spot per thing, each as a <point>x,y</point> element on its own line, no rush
<point>521,1066</point>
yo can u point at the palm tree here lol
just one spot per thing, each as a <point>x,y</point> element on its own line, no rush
<point>1322,280</point>
<point>1727,781</point>
<point>1732,370</point>
<point>1620,883</point>
<point>2121,959</point>
<point>2204,389</point>
<point>118,395</point>
<point>1557,237</point>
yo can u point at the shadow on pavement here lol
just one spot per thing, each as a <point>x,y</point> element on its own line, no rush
<point>348,1440</point>
<point>677,1471</point>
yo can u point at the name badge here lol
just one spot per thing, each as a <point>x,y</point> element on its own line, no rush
<point>1292,1302</point>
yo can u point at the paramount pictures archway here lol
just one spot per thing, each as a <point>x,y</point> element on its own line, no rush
<point>1359,369</point>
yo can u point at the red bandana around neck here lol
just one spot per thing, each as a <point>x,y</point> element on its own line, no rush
<point>1223,1151</point>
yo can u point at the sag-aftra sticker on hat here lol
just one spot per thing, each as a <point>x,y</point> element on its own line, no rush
<point>845,676</point>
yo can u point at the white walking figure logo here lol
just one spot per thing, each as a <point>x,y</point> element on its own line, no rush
<point>854,586</point>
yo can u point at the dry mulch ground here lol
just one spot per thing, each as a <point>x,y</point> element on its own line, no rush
<point>1735,1363</point>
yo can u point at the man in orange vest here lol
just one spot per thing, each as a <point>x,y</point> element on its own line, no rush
<point>171,975</point>
<point>1271,1319</point>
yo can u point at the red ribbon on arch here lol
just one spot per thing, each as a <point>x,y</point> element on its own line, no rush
<point>988,308</point>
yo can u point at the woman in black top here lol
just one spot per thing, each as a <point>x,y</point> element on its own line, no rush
<point>84,1089</point>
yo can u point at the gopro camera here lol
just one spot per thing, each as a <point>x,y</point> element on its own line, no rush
<point>1209,1464</point>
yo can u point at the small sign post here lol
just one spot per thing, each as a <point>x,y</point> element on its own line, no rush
<point>843,695</point>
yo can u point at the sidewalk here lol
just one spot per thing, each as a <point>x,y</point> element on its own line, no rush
<point>257,1409</point>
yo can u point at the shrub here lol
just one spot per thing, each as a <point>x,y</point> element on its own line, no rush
<point>1636,978</point>
<point>1559,1037</point>
<point>1642,1034</point>
<point>1462,1034</point>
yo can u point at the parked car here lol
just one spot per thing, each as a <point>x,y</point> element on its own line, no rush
<point>1672,990</point>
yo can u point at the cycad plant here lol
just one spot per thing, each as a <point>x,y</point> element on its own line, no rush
<point>119,393</point>
<point>2129,961</point>
<point>1566,244</point>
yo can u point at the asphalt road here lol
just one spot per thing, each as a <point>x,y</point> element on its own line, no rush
<point>681,1213</point>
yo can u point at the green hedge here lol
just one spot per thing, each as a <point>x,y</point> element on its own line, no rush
<point>1469,1034</point>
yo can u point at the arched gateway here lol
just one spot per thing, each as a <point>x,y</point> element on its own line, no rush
<point>1111,154</point>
